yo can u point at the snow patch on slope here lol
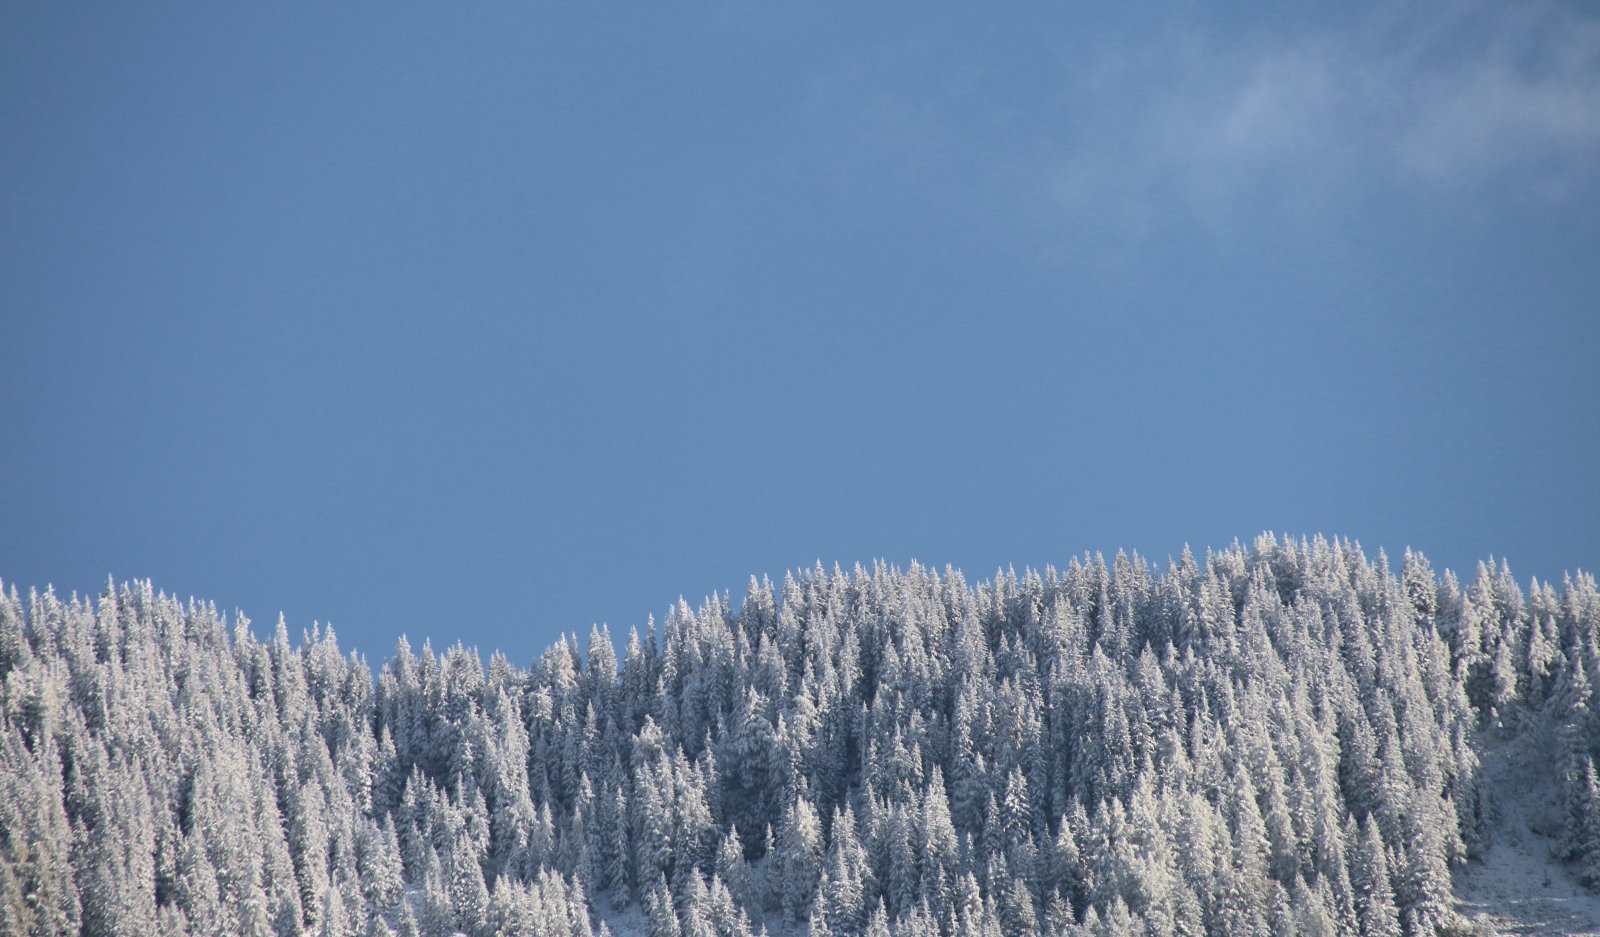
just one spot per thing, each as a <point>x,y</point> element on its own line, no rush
<point>1520,887</point>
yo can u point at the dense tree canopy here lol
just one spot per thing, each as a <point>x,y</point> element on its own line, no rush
<point>1280,739</point>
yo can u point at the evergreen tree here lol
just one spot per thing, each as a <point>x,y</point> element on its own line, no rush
<point>734,872</point>
<point>799,859</point>
<point>1369,879</point>
<point>661,917</point>
<point>1587,828</point>
<point>1276,739</point>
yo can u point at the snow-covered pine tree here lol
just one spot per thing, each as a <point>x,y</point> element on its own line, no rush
<point>1293,713</point>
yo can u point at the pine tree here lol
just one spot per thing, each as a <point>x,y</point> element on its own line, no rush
<point>696,916</point>
<point>799,859</point>
<point>663,920</point>
<point>847,875</point>
<point>735,872</point>
<point>469,896</point>
<point>937,849</point>
<point>1588,853</point>
<point>1369,878</point>
<point>1300,719</point>
<point>1016,909</point>
<point>878,923</point>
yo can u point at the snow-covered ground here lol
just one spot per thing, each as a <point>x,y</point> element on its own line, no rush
<point>1520,887</point>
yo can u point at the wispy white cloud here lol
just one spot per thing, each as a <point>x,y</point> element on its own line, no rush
<point>1536,113</point>
<point>1504,97</point>
<point>1225,127</point>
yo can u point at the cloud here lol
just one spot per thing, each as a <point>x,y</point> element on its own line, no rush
<point>1230,126</point>
<point>1489,96</point>
<point>1537,114</point>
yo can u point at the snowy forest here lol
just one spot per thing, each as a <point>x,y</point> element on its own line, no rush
<point>1285,738</point>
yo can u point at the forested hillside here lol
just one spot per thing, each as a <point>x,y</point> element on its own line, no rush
<point>1281,739</point>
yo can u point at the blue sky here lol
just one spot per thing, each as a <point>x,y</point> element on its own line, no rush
<point>487,322</point>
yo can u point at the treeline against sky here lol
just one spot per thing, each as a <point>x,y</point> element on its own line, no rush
<point>1281,739</point>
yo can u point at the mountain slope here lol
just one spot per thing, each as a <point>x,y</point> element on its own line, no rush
<point>1522,886</point>
<point>1284,739</point>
